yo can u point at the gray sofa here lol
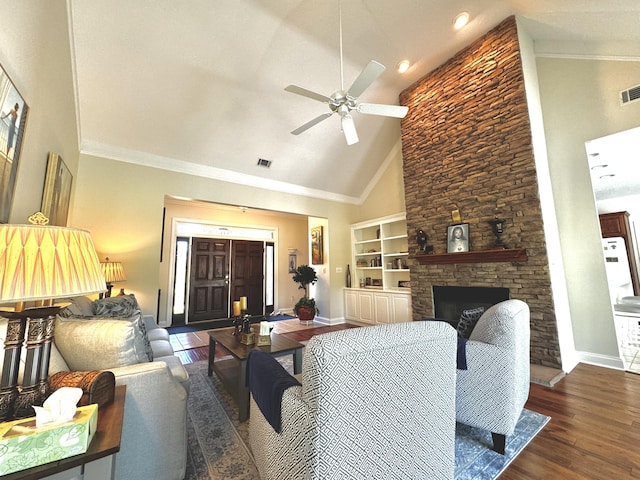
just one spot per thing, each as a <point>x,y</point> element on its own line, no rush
<point>91,336</point>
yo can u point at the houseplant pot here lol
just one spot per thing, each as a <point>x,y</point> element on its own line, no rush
<point>305,309</point>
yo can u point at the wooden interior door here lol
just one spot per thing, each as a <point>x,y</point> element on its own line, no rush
<point>247,274</point>
<point>209,293</point>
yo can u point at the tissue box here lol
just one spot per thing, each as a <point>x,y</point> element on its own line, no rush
<point>23,446</point>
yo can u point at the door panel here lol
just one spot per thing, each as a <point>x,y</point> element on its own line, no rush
<point>247,274</point>
<point>209,279</point>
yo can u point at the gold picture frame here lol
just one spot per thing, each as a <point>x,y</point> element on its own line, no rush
<point>13,120</point>
<point>57,191</point>
<point>317,254</point>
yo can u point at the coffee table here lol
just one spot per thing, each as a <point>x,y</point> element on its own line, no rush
<point>233,371</point>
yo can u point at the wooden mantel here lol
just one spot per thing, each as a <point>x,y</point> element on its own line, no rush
<point>479,256</point>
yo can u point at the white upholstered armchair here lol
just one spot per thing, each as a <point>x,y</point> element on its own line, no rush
<point>492,392</point>
<point>375,402</point>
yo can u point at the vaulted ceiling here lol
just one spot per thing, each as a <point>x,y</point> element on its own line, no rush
<point>198,86</point>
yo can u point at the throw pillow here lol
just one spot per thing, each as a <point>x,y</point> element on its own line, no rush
<point>120,306</point>
<point>78,307</point>
<point>468,321</point>
<point>99,343</point>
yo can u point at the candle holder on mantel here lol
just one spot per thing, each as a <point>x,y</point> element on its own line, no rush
<point>498,229</point>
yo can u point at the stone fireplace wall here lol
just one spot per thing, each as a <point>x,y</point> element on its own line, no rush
<point>466,145</point>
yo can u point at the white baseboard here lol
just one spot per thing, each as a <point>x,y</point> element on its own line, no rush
<point>606,361</point>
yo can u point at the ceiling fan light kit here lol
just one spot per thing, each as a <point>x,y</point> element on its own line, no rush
<point>344,101</point>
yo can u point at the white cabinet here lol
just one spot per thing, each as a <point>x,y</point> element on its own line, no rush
<point>372,307</point>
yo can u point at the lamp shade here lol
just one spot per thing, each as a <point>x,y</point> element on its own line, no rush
<point>113,271</point>
<point>39,262</point>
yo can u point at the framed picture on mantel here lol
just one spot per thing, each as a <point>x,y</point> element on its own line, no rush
<point>458,238</point>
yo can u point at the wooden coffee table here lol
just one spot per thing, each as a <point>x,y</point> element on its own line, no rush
<point>233,372</point>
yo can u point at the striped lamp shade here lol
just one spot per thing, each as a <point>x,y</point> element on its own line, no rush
<point>40,262</point>
<point>113,271</point>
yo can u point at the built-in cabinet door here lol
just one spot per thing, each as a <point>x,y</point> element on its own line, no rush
<point>383,308</point>
<point>366,307</point>
<point>351,305</point>
<point>401,307</point>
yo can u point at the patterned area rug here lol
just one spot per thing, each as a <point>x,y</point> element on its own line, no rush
<point>218,443</point>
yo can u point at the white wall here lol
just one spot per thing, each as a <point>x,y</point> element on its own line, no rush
<point>579,103</point>
<point>551,229</point>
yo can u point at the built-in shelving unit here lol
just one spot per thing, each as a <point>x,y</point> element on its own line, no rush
<point>380,252</point>
<point>380,256</point>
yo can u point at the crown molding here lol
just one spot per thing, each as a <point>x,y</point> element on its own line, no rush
<point>180,166</point>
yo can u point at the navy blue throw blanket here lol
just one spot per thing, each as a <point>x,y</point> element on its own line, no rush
<point>267,382</point>
<point>461,357</point>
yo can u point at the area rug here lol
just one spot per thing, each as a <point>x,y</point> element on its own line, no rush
<point>218,443</point>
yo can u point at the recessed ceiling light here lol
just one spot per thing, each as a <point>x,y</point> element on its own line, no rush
<point>461,20</point>
<point>403,66</point>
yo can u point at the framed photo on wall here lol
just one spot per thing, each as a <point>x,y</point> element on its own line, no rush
<point>458,238</point>
<point>293,263</point>
<point>57,191</point>
<point>13,118</point>
<point>316,246</point>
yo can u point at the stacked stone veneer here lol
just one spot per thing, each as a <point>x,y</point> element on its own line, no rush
<point>466,145</point>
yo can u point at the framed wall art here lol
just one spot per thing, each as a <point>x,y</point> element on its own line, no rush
<point>57,191</point>
<point>293,263</point>
<point>458,238</point>
<point>316,246</point>
<point>13,118</point>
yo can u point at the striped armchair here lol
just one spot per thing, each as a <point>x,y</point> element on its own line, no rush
<point>374,402</point>
<point>492,392</point>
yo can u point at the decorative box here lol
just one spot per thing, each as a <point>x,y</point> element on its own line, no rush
<point>25,446</point>
<point>247,339</point>
<point>97,386</point>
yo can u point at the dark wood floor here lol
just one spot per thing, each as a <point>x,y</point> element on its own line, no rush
<point>594,432</point>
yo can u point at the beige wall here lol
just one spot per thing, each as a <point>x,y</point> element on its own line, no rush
<point>580,102</point>
<point>122,205</point>
<point>386,195</point>
<point>34,51</point>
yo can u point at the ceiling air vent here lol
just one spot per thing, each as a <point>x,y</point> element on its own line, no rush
<point>264,163</point>
<point>630,95</point>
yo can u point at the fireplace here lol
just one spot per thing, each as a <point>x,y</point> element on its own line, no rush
<point>449,302</point>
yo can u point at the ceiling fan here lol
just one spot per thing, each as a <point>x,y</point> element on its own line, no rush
<point>344,101</point>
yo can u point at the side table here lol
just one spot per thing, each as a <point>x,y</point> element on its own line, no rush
<point>98,462</point>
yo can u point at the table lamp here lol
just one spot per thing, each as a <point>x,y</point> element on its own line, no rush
<point>113,272</point>
<point>38,263</point>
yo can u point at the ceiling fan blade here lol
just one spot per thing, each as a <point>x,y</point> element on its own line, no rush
<point>307,93</point>
<point>311,123</point>
<point>397,111</point>
<point>349,129</point>
<point>366,78</point>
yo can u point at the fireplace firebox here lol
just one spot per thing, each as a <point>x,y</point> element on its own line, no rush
<point>449,302</point>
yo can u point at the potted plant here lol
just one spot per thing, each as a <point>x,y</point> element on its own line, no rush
<point>306,308</point>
